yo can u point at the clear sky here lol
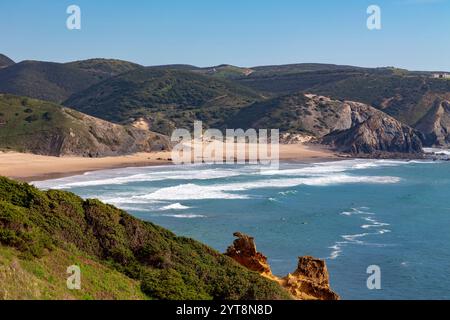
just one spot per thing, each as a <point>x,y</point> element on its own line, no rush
<point>415,34</point>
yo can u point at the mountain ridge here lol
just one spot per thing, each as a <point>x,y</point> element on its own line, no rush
<point>5,61</point>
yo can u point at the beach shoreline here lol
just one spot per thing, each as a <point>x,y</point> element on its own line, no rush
<point>30,167</point>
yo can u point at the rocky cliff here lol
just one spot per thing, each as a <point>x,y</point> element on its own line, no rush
<point>378,135</point>
<point>366,130</point>
<point>310,281</point>
<point>435,125</point>
<point>345,125</point>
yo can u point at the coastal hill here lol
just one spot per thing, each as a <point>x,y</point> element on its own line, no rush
<point>405,95</point>
<point>5,61</point>
<point>57,81</point>
<point>291,78</point>
<point>347,126</point>
<point>104,68</point>
<point>167,98</point>
<point>407,98</point>
<point>42,233</point>
<point>226,96</point>
<point>45,128</point>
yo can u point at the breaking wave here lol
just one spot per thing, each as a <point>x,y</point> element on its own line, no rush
<point>357,239</point>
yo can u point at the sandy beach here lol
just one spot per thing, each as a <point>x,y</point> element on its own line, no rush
<point>31,167</point>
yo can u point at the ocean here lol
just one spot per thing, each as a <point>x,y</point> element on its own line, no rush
<point>353,213</point>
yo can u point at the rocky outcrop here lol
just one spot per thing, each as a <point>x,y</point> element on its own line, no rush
<point>347,126</point>
<point>244,251</point>
<point>435,125</point>
<point>377,135</point>
<point>310,281</point>
<point>360,129</point>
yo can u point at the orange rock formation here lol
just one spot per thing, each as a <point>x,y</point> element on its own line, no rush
<point>310,281</point>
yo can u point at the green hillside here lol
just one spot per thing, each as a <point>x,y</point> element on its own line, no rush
<point>405,95</point>
<point>287,79</point>
<point>57,81</point>
<point>30,125</point>
<point>104,68</point>
<point>406,98</point>
<point>42,233</point>
<point>44,80</point>
<point>44,278</point>
<point>169,98</point>
<point>226,71</point>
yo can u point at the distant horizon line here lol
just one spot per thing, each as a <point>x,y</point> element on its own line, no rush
<point>229,64</point>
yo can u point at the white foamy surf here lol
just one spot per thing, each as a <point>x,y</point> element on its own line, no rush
<point>357,239</point>
<point>174,206</point>
<point>185,216</point>
<point>129,175</point>
<point>230,190</point>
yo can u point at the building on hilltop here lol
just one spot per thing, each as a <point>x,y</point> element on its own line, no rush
<point>441,75</point>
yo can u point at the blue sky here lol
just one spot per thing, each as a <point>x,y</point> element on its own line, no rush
<point>415,34</point>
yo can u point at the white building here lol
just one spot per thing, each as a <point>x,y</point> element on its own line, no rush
<point>441,75</point>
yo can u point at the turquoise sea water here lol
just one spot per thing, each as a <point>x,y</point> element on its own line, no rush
<point>353,213</point>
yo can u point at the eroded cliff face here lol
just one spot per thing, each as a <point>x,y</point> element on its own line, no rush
<point>346,126</point>
<point>435,125</point>
<point>363,130</point>
<point>310,281</point>
<point>91,137</point>
<point>377,135</point>
<point>244,251</point>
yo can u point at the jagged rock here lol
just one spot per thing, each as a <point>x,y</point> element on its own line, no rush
<point>435,125</point>
<point>310,281</point>
<point>377,134</point>
<point>244,251</point>
<point>348,126</point>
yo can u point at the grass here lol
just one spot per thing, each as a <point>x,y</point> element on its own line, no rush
<point>29,124</point>
<point>45,278</point>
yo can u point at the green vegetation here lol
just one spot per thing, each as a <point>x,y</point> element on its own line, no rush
<point>406,98</point>
<point>168,97</point>
<point>44,80</point>
<point>174,96</point>
<point>104,68</point>
<point>42,233</point>
<point>226,71</point>
<point>26,123</point>
<point>290,113</point>
<point>45,278</point>
<point>57,81</point>
<point>30,125</point>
